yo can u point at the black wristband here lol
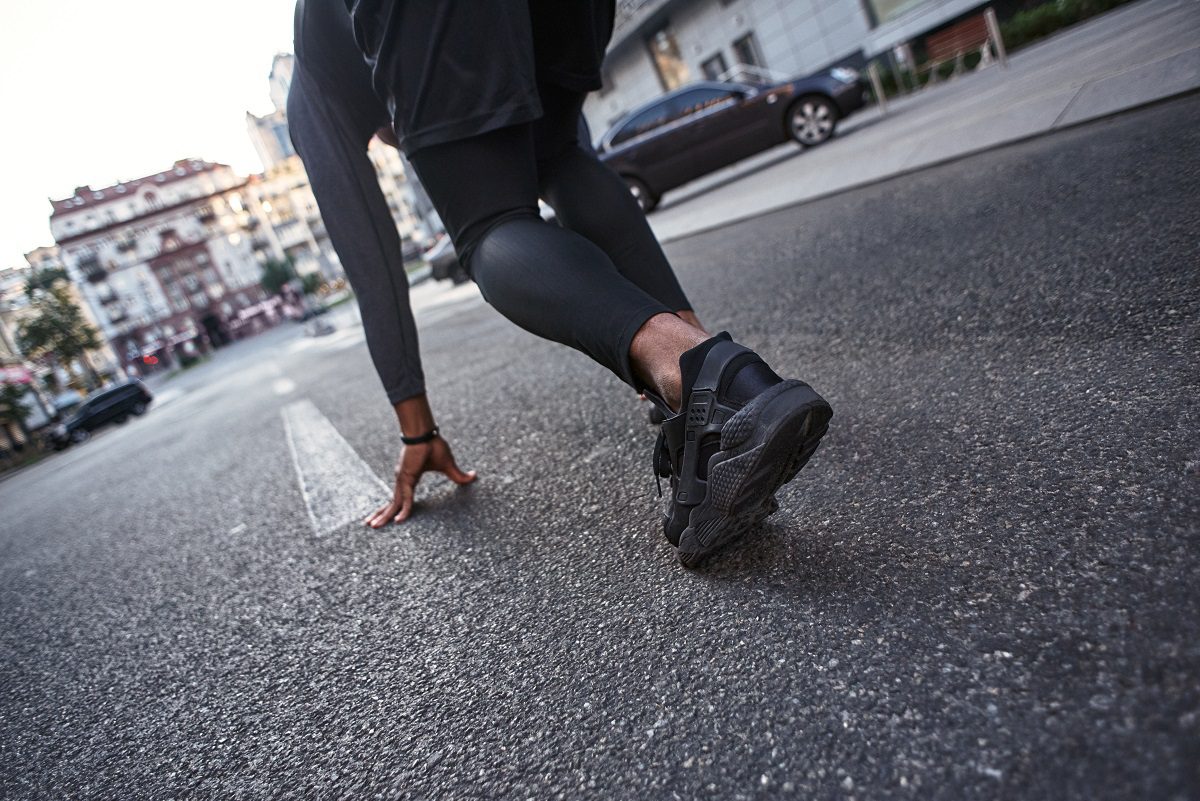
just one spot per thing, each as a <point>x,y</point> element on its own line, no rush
<point>430,436</point>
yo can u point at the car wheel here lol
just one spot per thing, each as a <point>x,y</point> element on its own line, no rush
<point>80,435</point>
<point>811,120</point>
<point>120,419</point>
<point>138,408</point>
<point>641,193</point>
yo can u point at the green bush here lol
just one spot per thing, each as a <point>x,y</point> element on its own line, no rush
<point>1037,23</point>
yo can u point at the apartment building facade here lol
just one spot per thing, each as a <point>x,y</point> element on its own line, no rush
<point>164,262</point>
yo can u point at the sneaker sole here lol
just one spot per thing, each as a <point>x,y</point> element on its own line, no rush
<point>763,447</point>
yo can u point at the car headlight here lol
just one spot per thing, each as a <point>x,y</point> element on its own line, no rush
<point>844,74</point>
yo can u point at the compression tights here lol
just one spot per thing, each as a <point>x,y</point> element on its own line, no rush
<point>590,283</point>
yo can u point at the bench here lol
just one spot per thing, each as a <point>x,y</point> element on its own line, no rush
<point>978,33</point>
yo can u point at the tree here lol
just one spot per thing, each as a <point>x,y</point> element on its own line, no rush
<point>57,328</point>
<point>275,274</point>
<point>11,408</point>
<point>12,413</point>
<point>43,279</point>
<point>312,282</point>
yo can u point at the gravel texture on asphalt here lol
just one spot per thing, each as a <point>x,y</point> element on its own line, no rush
<point>985,585</point>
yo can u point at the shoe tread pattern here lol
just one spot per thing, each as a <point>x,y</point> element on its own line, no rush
<point>757,458</point>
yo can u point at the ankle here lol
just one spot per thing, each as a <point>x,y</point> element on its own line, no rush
<point>655,351</point>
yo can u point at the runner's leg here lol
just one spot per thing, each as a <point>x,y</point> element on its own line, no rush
<point>549,280</point>
<point>592,200</point>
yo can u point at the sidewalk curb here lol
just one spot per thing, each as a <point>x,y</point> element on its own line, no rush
<point>948,160</point>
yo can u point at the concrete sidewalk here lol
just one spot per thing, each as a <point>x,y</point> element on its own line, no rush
<point>1134,55</point>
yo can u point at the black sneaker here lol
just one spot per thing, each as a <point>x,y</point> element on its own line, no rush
<point>725,459</point>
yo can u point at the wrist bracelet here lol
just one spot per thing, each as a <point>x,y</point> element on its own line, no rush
<point>430,436</point>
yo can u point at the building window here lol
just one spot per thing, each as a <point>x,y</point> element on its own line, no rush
<point>745,50</point>
<point>881,11</point>
<point>664,50</point>
<point>714,67</point>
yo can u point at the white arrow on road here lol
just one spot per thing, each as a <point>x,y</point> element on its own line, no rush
<point>337,485</point>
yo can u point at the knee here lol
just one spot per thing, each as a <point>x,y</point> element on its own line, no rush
<point>498,243</point>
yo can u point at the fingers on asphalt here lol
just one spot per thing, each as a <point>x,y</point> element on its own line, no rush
<point>335,482</point>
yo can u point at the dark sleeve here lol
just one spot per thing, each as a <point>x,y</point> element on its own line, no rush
<point>362,230</point>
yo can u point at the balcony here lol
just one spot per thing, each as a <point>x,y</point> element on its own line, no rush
<point>93,271</point>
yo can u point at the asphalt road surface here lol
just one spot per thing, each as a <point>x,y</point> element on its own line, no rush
<point>985,585</point>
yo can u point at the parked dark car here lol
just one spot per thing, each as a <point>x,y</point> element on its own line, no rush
<point>705,126</point>
<point>443,262</point>
<point>104,406</point>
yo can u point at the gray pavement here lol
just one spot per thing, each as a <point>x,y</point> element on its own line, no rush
<point>1138,54</point>
<point>984,586</point>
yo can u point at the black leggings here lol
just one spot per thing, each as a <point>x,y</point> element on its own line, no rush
<point>590,284</point>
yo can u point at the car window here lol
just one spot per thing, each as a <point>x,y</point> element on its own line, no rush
<point>698,100</point>
<point>641,123</point>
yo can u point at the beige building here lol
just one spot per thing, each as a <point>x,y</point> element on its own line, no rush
<point>283,193</point>
<point>164,262</point>
<point>16,307</point>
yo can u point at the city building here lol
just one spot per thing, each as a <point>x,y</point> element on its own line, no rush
<point>16,307</point>
<point>14,304</point>
<point>165,263</point>
<point>269,133</point>
<point>283,193</point>
<point>659,45</point>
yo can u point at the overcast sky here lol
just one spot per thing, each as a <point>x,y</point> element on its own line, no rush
<point>96,91</point>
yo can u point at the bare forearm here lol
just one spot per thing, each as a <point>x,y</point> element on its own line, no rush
<point>414,415</point>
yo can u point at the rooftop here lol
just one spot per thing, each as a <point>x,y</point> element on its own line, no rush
<point>86,197</point>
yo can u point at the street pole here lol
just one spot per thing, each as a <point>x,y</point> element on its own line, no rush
<point>993,26</point>
<point>877,87</point>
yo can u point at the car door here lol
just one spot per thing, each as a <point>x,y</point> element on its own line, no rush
<point>636,150</point>
<point>687,133</point>
<point>124,400</point>
<point>101,409</point>
<point>738,123</point>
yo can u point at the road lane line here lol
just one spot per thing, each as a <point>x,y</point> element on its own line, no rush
<point>167,395</point>
<point>337,485</point>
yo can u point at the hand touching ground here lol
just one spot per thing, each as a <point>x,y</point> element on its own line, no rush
<point>414,462</point>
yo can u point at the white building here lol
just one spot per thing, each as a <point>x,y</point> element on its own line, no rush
<point>269,133</point>
<point>164,262</point>
<point>659,45</point>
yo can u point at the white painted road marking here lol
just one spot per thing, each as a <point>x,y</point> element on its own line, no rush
<point>283,386</point>
<point>167,395</point>
<point>337,485</point>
